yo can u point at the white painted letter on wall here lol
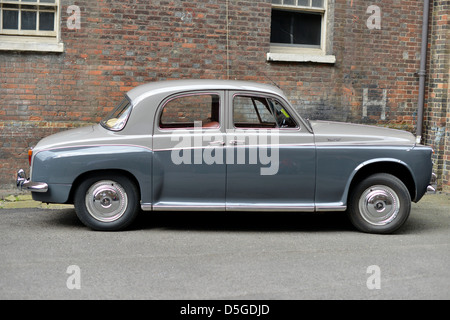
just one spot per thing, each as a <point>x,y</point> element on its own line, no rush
<point>368,103</point>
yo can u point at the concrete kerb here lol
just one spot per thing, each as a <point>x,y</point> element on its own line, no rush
<point>15,199</point>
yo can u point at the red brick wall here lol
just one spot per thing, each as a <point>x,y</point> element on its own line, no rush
<point>121,44</point>
<point>437,116</point>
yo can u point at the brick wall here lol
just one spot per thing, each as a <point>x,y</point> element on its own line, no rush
<point>437,115</point>
<point>121,44</point>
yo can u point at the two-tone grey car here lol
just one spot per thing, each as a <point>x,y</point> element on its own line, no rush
<point>219,145</point>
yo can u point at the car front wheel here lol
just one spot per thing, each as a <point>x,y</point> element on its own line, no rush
<point>107,202</point>
<point>379,204</point>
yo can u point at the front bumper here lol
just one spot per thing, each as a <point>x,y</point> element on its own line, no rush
<point>23,183</point>
<point>431,189</point>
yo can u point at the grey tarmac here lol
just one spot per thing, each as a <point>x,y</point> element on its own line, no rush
<point>48,254</point>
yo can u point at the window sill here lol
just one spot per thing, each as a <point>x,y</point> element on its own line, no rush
<point>30,44</point>
<point>300,57</point>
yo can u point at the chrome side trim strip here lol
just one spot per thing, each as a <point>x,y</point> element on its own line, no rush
<point>146,207</point>
<point>168,206</point>
<point>271,207</point>
<point>330,208</point>
<point>164,206</point>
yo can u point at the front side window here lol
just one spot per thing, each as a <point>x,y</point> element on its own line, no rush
<point>260,112</point>
<point>188,110</point>
<point>117,119</point>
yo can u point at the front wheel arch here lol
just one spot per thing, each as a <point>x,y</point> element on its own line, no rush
<point>395,168</point>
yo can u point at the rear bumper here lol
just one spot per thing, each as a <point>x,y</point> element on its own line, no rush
<point>431,189</point>
<point>23,183</point>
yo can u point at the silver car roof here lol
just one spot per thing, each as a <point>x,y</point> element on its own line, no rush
<point>173,86</point>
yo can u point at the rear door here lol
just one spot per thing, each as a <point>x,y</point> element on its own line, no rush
<point>189,169</point>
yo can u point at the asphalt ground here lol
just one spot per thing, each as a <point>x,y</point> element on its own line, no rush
<point>46,253</point>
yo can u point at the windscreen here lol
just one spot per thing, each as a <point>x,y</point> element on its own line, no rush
<point>117,119</point>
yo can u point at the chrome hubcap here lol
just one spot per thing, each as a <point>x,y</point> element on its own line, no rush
<point>379,205</point>
<point>106,201</point>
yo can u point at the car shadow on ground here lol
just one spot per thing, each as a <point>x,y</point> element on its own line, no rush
<point>247,221</point>
<point>244,221</point>
<point>225,221</point>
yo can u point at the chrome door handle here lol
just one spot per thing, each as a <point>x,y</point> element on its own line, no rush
<point>236,142</point>
<point>217,143</point>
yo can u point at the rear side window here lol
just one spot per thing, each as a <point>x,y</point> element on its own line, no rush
<point>186,111</point>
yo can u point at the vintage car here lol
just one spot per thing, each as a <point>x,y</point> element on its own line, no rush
<point>221,145</point>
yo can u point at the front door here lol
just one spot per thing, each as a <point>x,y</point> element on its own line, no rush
<point>270,156</point>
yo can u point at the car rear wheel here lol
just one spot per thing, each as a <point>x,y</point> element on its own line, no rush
<point>107,202</point>
<point>379,204</point>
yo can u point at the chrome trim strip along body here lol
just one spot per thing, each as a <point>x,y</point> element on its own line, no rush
<point>330,208</point>
<point>87,145</point>
<point>236,207</point>
<point>270,208</point>
<point>146,207</point>
<point>188,207</point>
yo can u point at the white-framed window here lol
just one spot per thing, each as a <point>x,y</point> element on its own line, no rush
<point>30,25</point>
<point>299,31</point>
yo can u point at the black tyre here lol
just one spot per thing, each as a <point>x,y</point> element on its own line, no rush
<point>107,202</point>
<point>379,204</point>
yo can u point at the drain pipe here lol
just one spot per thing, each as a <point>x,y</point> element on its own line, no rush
<point>422,72</point>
